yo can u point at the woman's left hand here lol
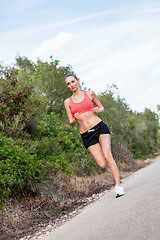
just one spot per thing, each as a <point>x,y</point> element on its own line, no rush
<point>96,109</point>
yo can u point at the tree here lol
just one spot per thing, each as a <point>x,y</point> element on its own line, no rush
<point>48,81</point>
<point>18,102</point>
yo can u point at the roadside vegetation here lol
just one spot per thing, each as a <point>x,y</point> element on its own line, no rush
<point>44,169</point>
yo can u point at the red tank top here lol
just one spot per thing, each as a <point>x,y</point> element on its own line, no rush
<point>85,105</point>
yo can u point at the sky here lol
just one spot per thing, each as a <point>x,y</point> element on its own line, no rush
<point>106,42</point>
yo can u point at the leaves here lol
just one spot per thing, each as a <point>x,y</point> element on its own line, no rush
<point>17,168</point>
<point>43,142</point>
<point>136,131</point>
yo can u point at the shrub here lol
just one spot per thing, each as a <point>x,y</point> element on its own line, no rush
<point>61,147</point>
<point>17,169</point>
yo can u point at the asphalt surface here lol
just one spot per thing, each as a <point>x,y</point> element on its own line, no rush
<point>135,216</point>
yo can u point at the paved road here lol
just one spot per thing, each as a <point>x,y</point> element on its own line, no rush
<point>135,216</point>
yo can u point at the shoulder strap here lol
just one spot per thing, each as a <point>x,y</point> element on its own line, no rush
<point>86,95</point>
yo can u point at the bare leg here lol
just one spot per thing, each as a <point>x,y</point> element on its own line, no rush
<point>103,156</point>
<point>97,153</point>
<point>105,141</point>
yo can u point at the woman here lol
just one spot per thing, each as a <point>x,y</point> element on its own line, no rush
<point>94,132</point>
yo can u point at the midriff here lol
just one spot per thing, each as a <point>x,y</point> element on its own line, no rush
<point>87,121</point>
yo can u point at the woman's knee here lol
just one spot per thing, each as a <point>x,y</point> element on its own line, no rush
<point>103,165</point>
<point>108,157</point>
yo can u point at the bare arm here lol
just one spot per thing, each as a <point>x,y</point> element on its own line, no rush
<point>99,107</point>
<point>71,118</point>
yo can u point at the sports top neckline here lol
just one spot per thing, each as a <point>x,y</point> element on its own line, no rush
<point>83,106</point>
<point>84,93</point>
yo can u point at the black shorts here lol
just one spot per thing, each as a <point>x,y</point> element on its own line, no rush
<point>91,137</point>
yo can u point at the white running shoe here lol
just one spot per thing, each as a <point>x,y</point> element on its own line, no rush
<point>119,191</point>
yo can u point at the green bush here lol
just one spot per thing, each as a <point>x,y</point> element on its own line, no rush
<point>158,137</point>
<point>59,162</point>
<point>61,147</point>
<point>17,168</point>
<point>44,142</point>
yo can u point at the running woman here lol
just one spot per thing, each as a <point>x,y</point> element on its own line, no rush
<point>94,132</point>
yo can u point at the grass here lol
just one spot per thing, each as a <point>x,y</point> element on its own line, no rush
<point>26,215</point>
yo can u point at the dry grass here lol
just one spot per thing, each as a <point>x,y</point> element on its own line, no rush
<point>59,197</point>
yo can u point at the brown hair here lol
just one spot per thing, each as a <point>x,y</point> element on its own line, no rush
<point>71,74</point>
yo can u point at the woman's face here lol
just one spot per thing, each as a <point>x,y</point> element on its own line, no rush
<point>72,83</point>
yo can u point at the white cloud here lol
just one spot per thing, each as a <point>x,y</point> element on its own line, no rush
<point>155,73</point>
<point>150,97</point>
<point>123,52</point>
<point>119,46</point>
<point>52,46</point>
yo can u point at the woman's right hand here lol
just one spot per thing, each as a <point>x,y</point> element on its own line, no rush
<point>77,116</point>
